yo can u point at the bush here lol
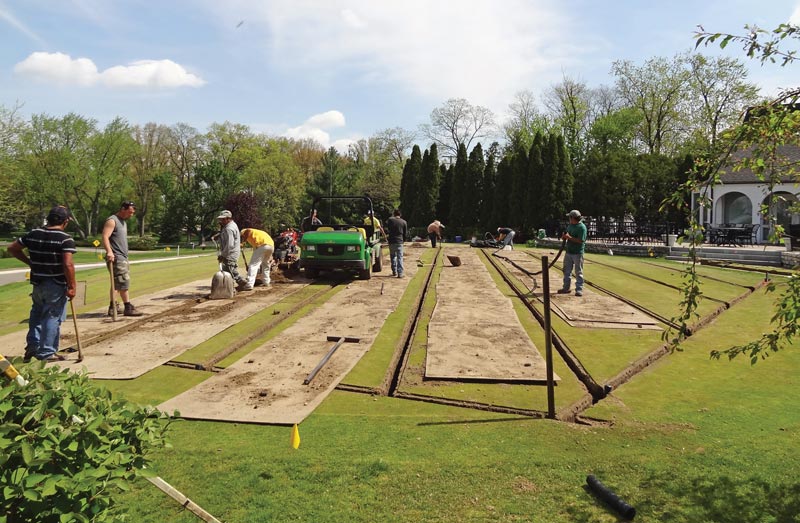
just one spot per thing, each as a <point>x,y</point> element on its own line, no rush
<point>142,243</point>
<point>67,447</point>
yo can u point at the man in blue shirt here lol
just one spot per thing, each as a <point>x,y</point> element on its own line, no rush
<point>575,236</point>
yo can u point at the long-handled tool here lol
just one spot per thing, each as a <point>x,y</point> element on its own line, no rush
<point>77,334</point>
<point>113,305</point>
<point>339,340</point>
<point>246,265</point>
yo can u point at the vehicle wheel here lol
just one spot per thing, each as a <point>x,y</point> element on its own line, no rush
<point>378,265</point>
<point>366,273</point>
<point>311,273</point>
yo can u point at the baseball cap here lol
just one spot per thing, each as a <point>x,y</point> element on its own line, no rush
<point>574,213</point>
<point>225,214</point>
<point>57,215</point>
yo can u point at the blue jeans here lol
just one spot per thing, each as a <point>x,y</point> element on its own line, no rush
<point>49,309</point>
<point>396,257</point>
<point>509,239</point>
<point>573,261</point>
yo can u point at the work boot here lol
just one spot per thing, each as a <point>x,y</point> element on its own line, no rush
<point>243,286</point>
<point>30,352</point>
<point>130,310</point>
<point>563,291</point>
<point>111,310</point>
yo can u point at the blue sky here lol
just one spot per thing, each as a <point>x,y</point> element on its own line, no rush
<point>337,70</point>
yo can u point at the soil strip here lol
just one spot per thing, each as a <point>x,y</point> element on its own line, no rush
<point>474,332</point>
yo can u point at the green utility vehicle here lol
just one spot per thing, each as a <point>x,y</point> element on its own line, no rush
<point>345,240</point>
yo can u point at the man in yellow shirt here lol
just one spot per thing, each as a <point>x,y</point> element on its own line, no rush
<point>263,246</point>
<point>371,219</point>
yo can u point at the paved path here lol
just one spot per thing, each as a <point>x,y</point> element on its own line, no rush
<point>15,275</point>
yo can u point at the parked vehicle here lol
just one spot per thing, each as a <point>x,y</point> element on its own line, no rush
<point>345,241</point>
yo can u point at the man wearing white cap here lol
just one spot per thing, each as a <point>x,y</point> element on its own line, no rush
<point>575,236</point>
<point>435,232</point>
<point>230,249</point>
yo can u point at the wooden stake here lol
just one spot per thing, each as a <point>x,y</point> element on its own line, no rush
<point>185,502</point>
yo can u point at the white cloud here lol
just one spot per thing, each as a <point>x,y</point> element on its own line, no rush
<point>327,120</point>
<point>62,69</point>
<point>315,129</point>
<point>481,50</point>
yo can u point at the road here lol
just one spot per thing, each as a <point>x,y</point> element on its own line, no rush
<point>15,275</point>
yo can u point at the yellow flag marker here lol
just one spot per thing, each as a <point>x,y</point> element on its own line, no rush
<point>295,437</point>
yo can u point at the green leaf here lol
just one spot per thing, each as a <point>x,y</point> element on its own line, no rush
<point>27,452</point>
<point>32,495</point>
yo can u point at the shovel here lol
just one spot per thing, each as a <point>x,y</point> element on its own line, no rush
<point>77,334</point>
<point>113,305</point>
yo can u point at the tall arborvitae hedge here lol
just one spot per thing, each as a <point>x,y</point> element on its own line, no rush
<point>475,194</point>
<point>445,190</point>
<point>428,193</point>
<point>489,189</point>
<point>410,183</point>
<point>458,201</point>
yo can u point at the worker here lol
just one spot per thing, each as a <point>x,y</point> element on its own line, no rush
<point>435,232</point>
<point>263,247</point>
<point>371,219</point>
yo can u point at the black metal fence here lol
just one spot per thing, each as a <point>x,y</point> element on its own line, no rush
<point>610,230</point>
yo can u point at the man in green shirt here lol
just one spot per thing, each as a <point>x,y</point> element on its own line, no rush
<point>573,258</point>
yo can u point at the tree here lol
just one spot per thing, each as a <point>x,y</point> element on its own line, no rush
<point>525,119</point>
<point>54,157</point>
<point>428,189</point>
<point>410,184</point>
<point>569,104</point>
<point>489,185</point>
<point>767,127</point>
<point>395,141</point>
<point>11,198</point>
<point>148,160</point>
<point>104,181</point>
<point>459,189</point>
<point>458,122</point>
<point>445,190</point>
<point>656,90</point>
<point>476,194</point>
<point>718,94</point>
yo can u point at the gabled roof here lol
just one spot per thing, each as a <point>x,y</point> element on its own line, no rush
<point>789,154</point>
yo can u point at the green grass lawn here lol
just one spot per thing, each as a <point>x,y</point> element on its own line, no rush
<point>688,440</point>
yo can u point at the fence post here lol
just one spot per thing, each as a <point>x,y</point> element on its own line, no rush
<point>548,345</point>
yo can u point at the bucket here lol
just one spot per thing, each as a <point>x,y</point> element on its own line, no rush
<point>454,260</point>
<point>458,239</point>
<point>541,234</point>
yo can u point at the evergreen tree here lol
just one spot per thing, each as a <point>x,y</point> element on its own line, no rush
<point>520,187</point>
<point>562,197</point>
<point>500,209</point>
<point>410,184</point>
<point>445,189</point>
<point>428,194</point>
<point>475,193</point>
<point>549,178</point>
<point>458,195</point>
<point>489,187</point>
<point>537,194</point>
